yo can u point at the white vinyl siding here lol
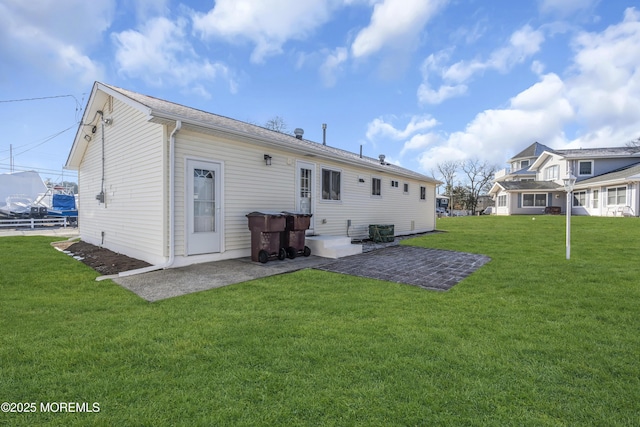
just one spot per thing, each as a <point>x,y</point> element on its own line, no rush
<point>408,214</point>
<point>247,183</point>
<point>132,219</point>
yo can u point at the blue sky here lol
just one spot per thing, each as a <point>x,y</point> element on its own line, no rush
<point>421,81</point>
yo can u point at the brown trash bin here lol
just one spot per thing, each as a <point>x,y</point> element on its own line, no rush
<point>293,237</point>
<point>266,239</point>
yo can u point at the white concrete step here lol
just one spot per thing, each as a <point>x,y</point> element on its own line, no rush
<point>332,246</point>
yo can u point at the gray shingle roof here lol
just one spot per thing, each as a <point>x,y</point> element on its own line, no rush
<point>170,110</point>
<point>534,150</point>
<point>599,152</point>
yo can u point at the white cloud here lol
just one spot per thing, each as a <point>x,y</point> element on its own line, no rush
<point>523,44</point>
<point>332,65</point>
<point>599,100</point>
<point>379,128</point>
<point>394,23</point>
<point>268,24</point>
<point>564,8</point>
<point>421,141</point>
<point>146,9</point>
<point>605,80</point>
<point>41,35</point>
<point>538,113</point>
<point>427,95</point>
<point>160,53</point>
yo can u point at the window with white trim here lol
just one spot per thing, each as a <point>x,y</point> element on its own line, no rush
<point>595,199</point>
<point>534,200</point>
<point>617,196</point>
<point>524,164</point>
<point>376,184</point>
<point>551,173</point>
<point>502,201</point>
<point>579,198</point>
<point>423,193</point>
<point>585,167</point>
<point>331,184</point>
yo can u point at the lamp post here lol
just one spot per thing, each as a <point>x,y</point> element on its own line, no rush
<point>569,181</point>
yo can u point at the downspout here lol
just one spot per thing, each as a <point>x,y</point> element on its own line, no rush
<point>172,193</point>
<point>172,179</point>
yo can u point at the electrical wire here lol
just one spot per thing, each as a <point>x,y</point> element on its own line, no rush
<point>46,139</point>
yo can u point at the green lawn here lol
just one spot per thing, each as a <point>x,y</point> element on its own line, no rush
<point>530,339</point>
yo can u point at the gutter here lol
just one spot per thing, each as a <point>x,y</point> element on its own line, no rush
<point>172,214</point>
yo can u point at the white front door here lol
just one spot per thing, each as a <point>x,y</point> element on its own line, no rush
<point>305,194</point>
<point>203,207</point>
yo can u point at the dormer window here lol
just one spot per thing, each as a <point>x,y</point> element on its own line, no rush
<point>585,167</point>
<point>524,164</point>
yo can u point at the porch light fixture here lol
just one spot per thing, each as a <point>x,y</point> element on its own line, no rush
<point>87,138</point>
<point>569,181</point>
<point>267,160</point>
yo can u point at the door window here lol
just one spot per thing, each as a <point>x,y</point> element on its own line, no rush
<point>204,205</point>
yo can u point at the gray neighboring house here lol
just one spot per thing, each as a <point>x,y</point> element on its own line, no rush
<point>607,182</point>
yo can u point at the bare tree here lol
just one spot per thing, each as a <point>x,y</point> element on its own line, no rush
<point>479,175</point>
<point>277,124</point>
<point>448,170</point>
<point>634,144</point>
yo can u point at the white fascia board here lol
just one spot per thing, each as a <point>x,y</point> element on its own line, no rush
<point>79,143</point>
<point>540,160</point>
<point>125,99</point>
<point>496,188</point>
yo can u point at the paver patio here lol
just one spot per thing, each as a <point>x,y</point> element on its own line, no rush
<point>433,269</point>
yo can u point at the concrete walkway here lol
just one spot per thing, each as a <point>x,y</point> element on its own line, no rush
<point>427,268</point>
<point>173,282</point>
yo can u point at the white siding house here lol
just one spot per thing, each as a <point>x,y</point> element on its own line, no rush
<point>607,183</point>
<point>142,161</point>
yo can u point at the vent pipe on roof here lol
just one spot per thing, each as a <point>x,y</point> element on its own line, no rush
<point>298,132</point>
<point>382,157</point>
<point>360,150</point>
<point>324,134</point>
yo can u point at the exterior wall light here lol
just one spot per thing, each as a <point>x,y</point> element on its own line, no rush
<point>267,160</point>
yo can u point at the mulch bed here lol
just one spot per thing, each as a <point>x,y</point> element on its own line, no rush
<point>104,261</point>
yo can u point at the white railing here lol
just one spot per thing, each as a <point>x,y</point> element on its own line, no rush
<point>499,174</point>
<point>35,222</point>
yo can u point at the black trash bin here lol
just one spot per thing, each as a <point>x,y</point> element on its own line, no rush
<point>266,229</point>
<point>293,237</point>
